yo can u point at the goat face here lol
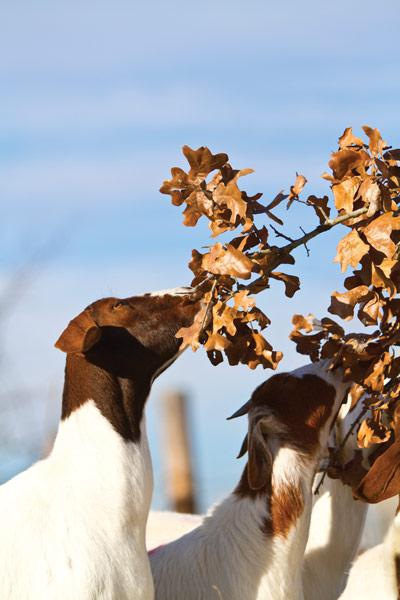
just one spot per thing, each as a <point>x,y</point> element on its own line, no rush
<point>294,410</point>
<point>125,327</point>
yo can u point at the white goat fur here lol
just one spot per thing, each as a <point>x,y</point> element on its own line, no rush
<point>228,556</point>
<point>75,505</point>
<point>329,553</point>
<point>373,575</point>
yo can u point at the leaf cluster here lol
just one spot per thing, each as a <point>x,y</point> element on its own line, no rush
<point>231,273</point>
<point>364,179</point>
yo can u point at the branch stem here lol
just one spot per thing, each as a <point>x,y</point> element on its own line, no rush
<point>329,223</point>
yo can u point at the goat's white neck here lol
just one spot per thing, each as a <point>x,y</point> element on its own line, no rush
<point>234,552</point>
<point>284,513</point>
<point>108,472</point>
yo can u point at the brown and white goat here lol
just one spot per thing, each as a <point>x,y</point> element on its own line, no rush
<point>328,556</point>
<point>252,545</point>
<point>376,573</point>
<point>73,525</point>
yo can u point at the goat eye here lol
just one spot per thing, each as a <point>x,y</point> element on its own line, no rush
<point>117,305</point>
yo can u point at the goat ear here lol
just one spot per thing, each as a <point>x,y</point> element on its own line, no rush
<point>383,479</point>
<point>81,334</point>
<point>259,465</point>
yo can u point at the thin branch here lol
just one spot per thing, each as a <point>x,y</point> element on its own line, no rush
<point>305,244</point>
<point>280,234</point>
<point>318,230</point>
<point>321,481</point>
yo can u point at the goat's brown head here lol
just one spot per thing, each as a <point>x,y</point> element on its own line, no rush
<point>294,410</point>
<point>151,321</point>
<point>115,348</point>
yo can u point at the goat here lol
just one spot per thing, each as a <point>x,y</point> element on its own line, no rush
<point>328,556</point>
<point>376,572</point>
<point>329,553</point>
<point>252,545</point>
<point>73,525</point>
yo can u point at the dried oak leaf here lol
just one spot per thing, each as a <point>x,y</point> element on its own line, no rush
<point>383,479</point>
<point>369,311</point>
<point>242,300</point>
<point>345,193</point>
<point>345,161</point>
<point>321,207</point>
<point>216,341</point>
<point>305,323</point>
<point>230,196</point>
<point>342,304</point>
<point>190,335</point>
<point>350,250</point>
<point>178,187</point>
<point>202,161</point>
<point>370,193</point>
<point>292,283</point>
<point>349,139</point>
<point>224,318</point>
<point>263,353</point>
<point>256,315</point>
<point>296,189</point>
<point>393,154</point>
<point>227,261</point>
<point>376,143</point>
<point>308,344</point>
<point>377,372</point>
<point>198,204</point>
<point>378,233</point>
<point>371,432</point>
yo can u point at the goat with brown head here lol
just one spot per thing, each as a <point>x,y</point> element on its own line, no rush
<point>252,545</point>
<point>80,514</point>
<point>116,348</point>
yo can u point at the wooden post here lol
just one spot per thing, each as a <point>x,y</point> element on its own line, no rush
<point>177,460</point>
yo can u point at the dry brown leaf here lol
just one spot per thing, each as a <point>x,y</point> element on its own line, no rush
<point>378,233</point>
<point>202,161</point>
<point>350,250</point>
<point>301,322</point>
<point>345,193</point>
<point>371,432</point>
<point>229,261</point>
<point>349,139</point>
<point>190,335</point>
<point>216,341</point>
<point>376,144</point>
<point>242,300</point>
<point>343,304</point>
<point>296,188</point>
<point>345,161</point>
<point>321,207</point>
<point>292,283</point>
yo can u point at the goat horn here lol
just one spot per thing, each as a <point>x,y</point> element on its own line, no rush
<point>243,448</point>
<point>243,410</point>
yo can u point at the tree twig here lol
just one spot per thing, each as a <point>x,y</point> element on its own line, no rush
<point>280,234</point>
<point>329,223</point>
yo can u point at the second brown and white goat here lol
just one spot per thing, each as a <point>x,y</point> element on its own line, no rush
<point>252,545</point>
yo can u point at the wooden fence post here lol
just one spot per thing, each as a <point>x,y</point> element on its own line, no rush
<point>177,455</point>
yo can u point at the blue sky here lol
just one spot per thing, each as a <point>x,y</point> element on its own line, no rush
<point>96,100</point>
